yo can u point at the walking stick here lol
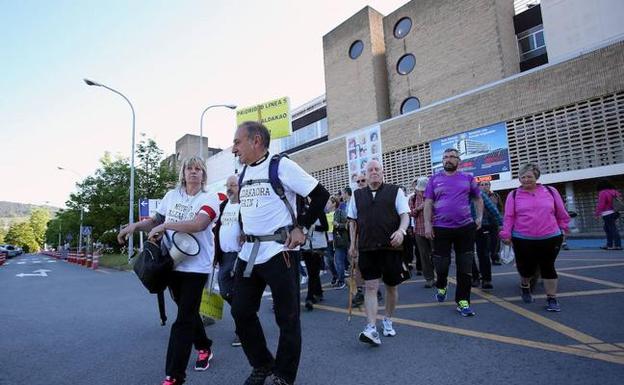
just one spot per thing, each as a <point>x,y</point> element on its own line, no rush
<point>352,289</point>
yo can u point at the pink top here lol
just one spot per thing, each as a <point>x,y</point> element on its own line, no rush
<point>605,201</point>
<point>534,215</point>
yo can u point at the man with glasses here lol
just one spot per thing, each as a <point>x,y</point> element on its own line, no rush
<point>449,223</point>
<point>361,181</point>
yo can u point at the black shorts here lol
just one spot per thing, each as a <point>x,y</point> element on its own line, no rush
<point>384,264</point>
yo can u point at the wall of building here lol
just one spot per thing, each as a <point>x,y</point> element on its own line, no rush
<point>458,45</point>
<point>577,25</point>
<point>569,117</point>
<point>356,90</point>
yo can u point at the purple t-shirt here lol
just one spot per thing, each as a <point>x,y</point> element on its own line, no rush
<point>451,198</point>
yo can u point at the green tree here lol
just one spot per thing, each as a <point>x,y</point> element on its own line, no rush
<point>22,235</point>
<point>2,235</point>
<point>39,222</point>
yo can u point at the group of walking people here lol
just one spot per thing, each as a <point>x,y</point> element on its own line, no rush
<point>276,215</point>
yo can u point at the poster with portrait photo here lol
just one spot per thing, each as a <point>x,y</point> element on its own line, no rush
<point>362,145</point>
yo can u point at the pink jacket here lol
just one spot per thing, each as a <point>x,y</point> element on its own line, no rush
<point>534,214</point>
<point>605,200</point>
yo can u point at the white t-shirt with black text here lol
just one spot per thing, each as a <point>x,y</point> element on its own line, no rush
<point>262,211</point>
<point>229,232</point>
<point>178,206</point>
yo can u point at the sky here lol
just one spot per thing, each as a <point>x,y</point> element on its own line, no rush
<point>171,59</point>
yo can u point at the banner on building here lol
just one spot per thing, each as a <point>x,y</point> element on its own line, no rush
<point>484,152</point>
<point>274,114</point>
<point>362,146</point>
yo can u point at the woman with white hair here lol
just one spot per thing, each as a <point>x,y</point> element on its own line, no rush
<point>188,208</point>
<point>535,222</point>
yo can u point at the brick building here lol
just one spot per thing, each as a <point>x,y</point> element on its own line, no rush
<point>435,68</point>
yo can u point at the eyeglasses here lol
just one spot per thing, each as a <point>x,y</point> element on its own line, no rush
<point>361,180</point>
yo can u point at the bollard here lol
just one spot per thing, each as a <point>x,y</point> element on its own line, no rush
<point>95,262</point>
<point>89,261</point>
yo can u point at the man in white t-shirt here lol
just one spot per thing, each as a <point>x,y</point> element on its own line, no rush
<point>379,218</point>
<point>228,241</point>
<point>270,254</point>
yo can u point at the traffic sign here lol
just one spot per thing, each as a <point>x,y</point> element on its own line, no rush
<point>143,208</point>
<point>86,230</point>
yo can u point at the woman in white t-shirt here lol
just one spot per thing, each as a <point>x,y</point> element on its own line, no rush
<point>188,209</point>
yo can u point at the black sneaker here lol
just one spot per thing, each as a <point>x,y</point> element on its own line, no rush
<point>203,359</point>
<point>487,285</point>
<point>258,376</point>
<point>309,305</point>
<point>476,282</point>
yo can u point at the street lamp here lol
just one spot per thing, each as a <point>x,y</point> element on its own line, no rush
<point>131,203</point>
<point>201,124</point>
<point>81,209</point>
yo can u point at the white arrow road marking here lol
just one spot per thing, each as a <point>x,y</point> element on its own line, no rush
<point>51,261</point>
<point>40,273</point>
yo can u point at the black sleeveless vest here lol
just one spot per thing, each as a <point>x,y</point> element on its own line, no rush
<point>377,217</point>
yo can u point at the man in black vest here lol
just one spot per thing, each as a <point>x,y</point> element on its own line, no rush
<point>379,217</point>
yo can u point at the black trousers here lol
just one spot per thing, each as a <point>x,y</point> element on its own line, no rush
<point>313,260</point>
<point>483,243</point>
<point>461,239</point>
<point>187,330</point>
<point>281,274</point>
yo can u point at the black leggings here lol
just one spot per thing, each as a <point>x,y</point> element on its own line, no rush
<point>531,253</point>
<point>187,330</point>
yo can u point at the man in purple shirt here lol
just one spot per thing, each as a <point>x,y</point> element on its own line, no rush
<point>449,223</point>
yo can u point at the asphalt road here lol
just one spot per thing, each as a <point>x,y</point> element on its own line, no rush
<point>71,325</point>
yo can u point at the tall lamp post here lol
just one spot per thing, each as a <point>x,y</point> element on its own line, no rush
<point>201,125</point>
<point>81,208</point>
<point>131,203</point>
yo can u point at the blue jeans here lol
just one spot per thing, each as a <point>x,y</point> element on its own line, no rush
<point>610,228</point>
<point>340,260</point>
<point>329,261</point>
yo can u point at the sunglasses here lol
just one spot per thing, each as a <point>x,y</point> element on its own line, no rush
<point>361,181</point>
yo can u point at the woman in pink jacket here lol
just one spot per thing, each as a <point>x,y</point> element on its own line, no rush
<point>606,195</point>
<point>535,221</point>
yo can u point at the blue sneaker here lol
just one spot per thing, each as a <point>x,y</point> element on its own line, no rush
<point>526,294</point>
<point>463,307</point>
<point>552,304</point>
<point>440,294</point>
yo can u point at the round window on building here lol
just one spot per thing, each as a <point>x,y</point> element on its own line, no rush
<point>410,104</point>
<point>406,64</point>
<point>402,27</point>
<point>356,49</point>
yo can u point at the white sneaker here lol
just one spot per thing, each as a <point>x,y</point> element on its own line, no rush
<point>370,336</point>
<point>388,330</point>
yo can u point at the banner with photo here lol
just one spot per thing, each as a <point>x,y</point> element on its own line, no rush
<point>484,152</point>
<point>362,146</point>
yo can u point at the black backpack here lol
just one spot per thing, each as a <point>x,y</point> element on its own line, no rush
<point>276,185</point>
<point>154,267</point>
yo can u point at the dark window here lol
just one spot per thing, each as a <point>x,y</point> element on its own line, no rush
<point>406,64</point>
<point>410,104</point>
<point>402,27</point>
<point>531,43</point>
<point>356,49</point>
